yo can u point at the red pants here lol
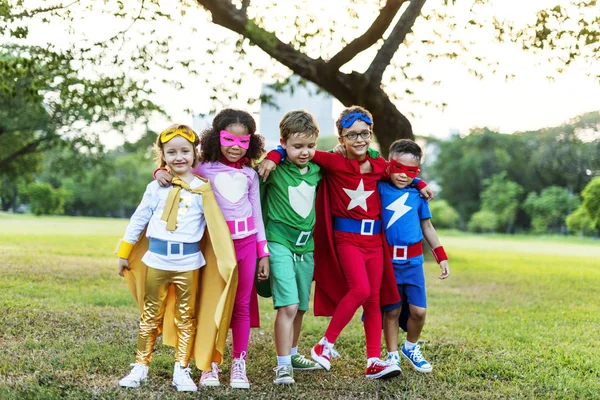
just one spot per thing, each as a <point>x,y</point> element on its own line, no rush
<point>363,269</point>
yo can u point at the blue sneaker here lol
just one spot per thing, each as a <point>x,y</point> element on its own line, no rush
<point>416,359</point>
<point>393,359</point>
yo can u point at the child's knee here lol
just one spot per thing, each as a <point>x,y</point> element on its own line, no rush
<point>288,311</point>
<point>418,313</point>
<point>392,314</point>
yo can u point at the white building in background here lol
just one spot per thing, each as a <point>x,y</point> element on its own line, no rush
<point>201,122</point>
<point>303,96</point>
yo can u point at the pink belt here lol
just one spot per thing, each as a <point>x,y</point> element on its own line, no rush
<point>240,226</point>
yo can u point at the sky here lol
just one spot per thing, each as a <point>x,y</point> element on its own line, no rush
<point>527,102</point>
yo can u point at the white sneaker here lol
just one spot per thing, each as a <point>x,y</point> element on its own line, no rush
<point>182,379</point>
<point>239,380</point>
<point>138,374</point>
<point>211,378</point>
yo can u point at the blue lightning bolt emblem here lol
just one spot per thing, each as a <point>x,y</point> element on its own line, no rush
<point>399,208</point>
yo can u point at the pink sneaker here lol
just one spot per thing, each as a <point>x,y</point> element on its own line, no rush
<point>211,378</point>
<point>238,379</point>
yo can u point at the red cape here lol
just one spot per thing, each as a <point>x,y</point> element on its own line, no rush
<point>330,282</point>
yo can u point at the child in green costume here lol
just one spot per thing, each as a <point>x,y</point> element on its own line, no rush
<point>289,214</point>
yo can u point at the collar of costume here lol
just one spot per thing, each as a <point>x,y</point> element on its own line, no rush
<point>397,168</point>
<point>169,214</point>
<point>228,139</point>
<point>351,118</point>
<point>169,134</point>
<point>364,160</point>
<point>236,164</point>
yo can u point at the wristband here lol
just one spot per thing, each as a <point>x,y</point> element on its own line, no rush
<point>274,156</point>
<point>440,254</point>
<point>262,249</point>
<point>158,169</point>
<point>123,249</point>
<point>421,184</point>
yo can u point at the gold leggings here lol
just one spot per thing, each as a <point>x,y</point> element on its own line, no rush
<point>157,287</point>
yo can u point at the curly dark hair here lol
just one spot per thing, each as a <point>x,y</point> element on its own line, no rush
<point>210,142</point>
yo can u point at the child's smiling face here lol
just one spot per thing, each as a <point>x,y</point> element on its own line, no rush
<point>356,139</point>
<point>401,179</point>
<point>231,150</point>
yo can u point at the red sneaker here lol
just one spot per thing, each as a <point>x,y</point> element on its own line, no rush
<point>322,355</point>
<point>379,369</point>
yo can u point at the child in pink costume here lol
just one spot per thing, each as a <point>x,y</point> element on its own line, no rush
<point>227,149</point>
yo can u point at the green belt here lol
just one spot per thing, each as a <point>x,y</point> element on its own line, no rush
<point>292,235</point>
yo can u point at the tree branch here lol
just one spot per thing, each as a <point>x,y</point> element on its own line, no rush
<point>245,4</point>
<point>225,14</point>
<point>391,44</point>
<point>29,148</point>
<point>31,13</point>
<point>370,37</point>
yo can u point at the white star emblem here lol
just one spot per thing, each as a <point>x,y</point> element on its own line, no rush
<point>399,208</point>
<point>359,196</point>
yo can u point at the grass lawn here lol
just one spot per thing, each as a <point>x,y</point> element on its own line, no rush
<point>518,318</point>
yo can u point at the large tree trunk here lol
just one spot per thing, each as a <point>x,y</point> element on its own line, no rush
<point>362,89</point>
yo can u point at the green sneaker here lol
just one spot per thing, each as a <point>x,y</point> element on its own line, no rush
<point>284,375</point>
<point>301,363</point>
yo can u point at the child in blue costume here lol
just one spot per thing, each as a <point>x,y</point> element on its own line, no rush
<point>407,219</point>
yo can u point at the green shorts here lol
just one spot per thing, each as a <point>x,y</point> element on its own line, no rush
<point>291,276</point>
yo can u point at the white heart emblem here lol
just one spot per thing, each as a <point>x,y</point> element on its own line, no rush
<point>302,198</point>
<point>231,186</point>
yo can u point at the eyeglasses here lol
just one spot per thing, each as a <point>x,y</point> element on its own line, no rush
<point>354,135</point>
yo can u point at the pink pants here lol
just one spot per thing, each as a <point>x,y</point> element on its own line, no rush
<point>245,252</point>
<point>363,269</point>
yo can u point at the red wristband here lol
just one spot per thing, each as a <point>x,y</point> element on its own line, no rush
<point>440,254</point>
<point>158,169</point>
<point>274,156</point>
<point>421,184</point>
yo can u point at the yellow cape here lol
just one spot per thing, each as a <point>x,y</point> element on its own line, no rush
<point>216,291</point>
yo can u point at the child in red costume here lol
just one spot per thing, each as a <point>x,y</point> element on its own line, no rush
<point>349,263</point>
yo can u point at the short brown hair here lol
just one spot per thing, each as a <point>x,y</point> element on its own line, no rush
<point>158,145</point>
<point>406,146</point>
<point>298,121</point>
<point>350,110</point>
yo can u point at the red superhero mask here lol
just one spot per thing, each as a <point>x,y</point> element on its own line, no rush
<point>397,168</point>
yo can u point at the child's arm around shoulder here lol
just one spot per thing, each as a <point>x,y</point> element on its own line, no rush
<point>436,248</point>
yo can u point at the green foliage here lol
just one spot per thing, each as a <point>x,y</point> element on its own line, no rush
<point>580,222</point>
<point>591,200</point>
<point>559,156</point>
<point>444,215</point>
<point>549,209</point>
<point>44,199</point>
<point>44,94</point>
<point>327,143</point>
<point>501,197</point>
<point>483,221</point>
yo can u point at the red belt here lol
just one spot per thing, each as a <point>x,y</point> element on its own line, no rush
<point>400,253</point>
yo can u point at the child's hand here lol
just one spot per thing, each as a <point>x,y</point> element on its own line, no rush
<point>123,265</point>
<point>163,178</point>
<point>263,269</point>
<point>265,168</point>
<point>339,149</point>
<point>445,269</point>
<point>426,193</point>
